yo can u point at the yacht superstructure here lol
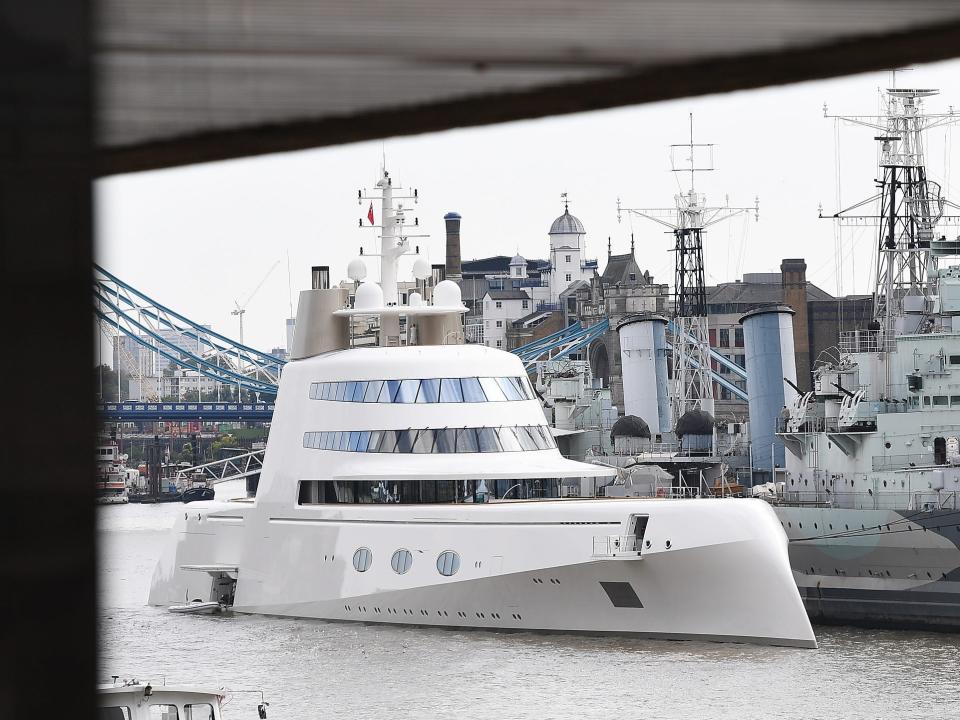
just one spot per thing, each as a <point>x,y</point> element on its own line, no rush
<point>873,452</point>
<point>417,482</point>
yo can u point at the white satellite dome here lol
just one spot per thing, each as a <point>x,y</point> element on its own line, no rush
<point>357,269</point>
<point>421,268</point>
<point>447,294</point>
<point>415,299</point>
<point>369,296</point>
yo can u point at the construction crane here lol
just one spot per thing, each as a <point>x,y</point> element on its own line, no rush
<point>239,309</point>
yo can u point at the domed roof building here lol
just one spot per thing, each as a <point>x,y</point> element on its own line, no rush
<point>567,224</point>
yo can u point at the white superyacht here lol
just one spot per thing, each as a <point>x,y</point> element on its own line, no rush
<point>416,482</point>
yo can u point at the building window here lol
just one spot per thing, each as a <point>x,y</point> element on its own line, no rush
<point>401,561</point>
<point>568,258</point>
<point>499,323</point>
<point>499,343</point>
<point>569,277</point>
<point>499,304</point>
<point>740,360</point>
<point>448,563</point>
<point>526,303</point>
<point>633,277</point>
<point>362,559</point>
<point>738,337</point>
<point>724,337</point>
<point>517,271</point>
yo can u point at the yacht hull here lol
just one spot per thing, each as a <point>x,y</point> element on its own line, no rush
<point>877,568</point>
<point>706,569</point>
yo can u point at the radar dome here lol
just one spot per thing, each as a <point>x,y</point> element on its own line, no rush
<point>447,294</point>
<point>415,300</point>
<point>369,296</point>
<point>421,268</point>
<point>630,426</point>
<point>357,269</point>
<point>695,422</point>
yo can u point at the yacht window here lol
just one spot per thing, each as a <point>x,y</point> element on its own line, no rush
<point>388,442</point>
<point>351,388</point>
<point>163,712</point>
<point>510,388</point>
<point>467,440</point>
<point>940,400</point>
<point>389,392</point>
<point>429,440</point>
<point>508,439</point>
<point>448,563</point>
<point>362,559</point>
<point>401,561</point>
<point>955,399</point>
<point>353,441</point>
<point>314,391</point>
<point>526,437</point>
<point>405,441</point>
<point>358,392</point>
<point>446,441</point>
<point>364,441</point>
<point>527,388</point>
<point>117,712</point>
<point>472,392</point>
<point>198,711</point>
<point>491,389</point>
<point>407,392</point>
<point>340,391</point>
<point>545,436</point>
<point>487,439</point>
<point>955,359</point>
<point>372,392</point>
<point>429,391</point>
<point>424,442</point>
<point>450,390</point>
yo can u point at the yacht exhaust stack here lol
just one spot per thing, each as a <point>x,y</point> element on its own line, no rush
<point>317,329</point>
<point>771,375</point>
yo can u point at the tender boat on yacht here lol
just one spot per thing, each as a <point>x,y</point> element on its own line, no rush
<point>417,482</point>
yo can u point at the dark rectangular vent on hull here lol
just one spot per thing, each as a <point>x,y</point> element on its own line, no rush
<point>621,594</point>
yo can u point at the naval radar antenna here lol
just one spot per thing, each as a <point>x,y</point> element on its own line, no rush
<point>909,206</point>
<point>687,220</point>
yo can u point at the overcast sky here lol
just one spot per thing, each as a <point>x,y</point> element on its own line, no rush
<point>199,238</point>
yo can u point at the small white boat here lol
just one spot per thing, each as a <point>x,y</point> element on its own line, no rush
<point>198,607</point>
<point>138,700</point>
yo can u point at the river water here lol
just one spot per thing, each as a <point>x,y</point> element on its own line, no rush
<point>314,669</point>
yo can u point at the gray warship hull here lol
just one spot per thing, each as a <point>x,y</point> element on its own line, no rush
<point>895,569</point>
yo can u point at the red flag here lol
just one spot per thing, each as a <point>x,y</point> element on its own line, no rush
<point>370,214</point>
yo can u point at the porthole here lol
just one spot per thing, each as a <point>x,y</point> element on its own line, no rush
<point>362,559</point>
<point>886,445</point>
<point>448,562</point>
<point>401,561</point>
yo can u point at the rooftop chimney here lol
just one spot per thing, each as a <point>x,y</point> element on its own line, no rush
<point>453,270</point>
<point>793,276</point>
